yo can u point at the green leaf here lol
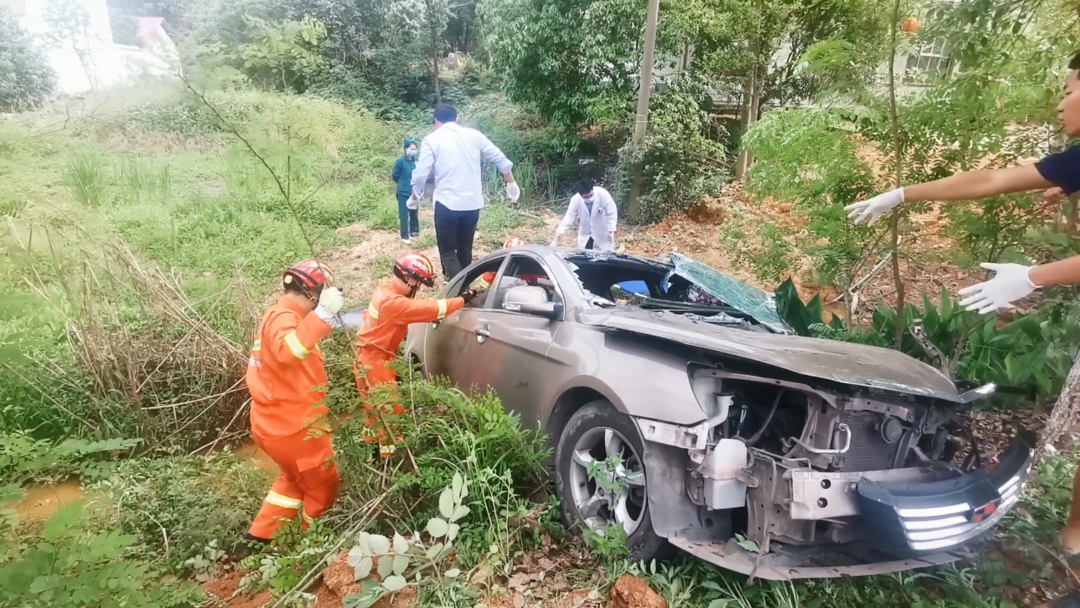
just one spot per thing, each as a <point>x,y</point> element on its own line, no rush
<point>401,546</point>
<point>446,503</point>
<point>362,569</point>
<point>401,564</point>
<point>452,531</point>
<point>394,584</point>
<point>458,485</point>
<point>354,556</point>
<point>386,566</point>
<point>437,528</point>
<point>453,573</point>
<point>434,551</point>
<point>459,512</point>
<point>380,545</point>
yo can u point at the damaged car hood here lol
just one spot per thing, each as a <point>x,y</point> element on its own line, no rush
<point>844,362</point>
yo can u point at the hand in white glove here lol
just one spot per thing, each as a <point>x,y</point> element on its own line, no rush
<point>513,192</point>
<point>1009,284</point>
<point>330,302</point>
<point>412,203</point>
<point>873,209</point>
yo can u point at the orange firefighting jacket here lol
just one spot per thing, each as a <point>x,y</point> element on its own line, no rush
<point>285,374</point>
<point>488,278</point>
<point>387,319</point>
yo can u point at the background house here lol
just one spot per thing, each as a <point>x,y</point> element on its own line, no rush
<point>89,51</point>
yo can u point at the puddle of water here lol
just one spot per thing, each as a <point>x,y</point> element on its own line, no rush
<point>41,502</point>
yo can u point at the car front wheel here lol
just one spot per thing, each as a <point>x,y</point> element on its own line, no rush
<point>600,477</point>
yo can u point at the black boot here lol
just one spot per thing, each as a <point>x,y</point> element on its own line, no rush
<point>248,546</point>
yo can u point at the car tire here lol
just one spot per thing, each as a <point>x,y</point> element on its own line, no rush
<point>591,422</point>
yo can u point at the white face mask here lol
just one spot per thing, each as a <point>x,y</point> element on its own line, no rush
<point>588,200</point>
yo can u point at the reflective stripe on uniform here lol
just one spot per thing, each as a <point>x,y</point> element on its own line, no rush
<point>298,349</point>
<point>482,284</point>
<point>442,308</point>
<point>257,346</point>
<point>309,519</point>
<point>280,500</point>
<point>374,312</point>
<point>387,450</point>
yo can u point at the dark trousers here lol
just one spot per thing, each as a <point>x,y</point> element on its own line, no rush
<point>590,244</point>
<point>408,219</point>
<point>454,232</point>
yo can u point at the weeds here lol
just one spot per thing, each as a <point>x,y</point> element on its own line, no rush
<point>86,180</point>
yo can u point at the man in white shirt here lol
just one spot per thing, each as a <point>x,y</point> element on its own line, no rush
<point>457,155</point>
<point>595,212</point>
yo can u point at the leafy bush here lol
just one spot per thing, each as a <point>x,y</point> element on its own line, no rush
<point>68,566</point>
<point>26,79</point>
<point>809,157</point>
<point>679,162</point>
<point>195,499</point>
<point>1031,354</point>
<point>24,459</point>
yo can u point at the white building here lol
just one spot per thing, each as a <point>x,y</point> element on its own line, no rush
<point>82,50</point>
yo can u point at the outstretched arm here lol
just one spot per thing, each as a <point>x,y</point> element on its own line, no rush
<point>979,184</point>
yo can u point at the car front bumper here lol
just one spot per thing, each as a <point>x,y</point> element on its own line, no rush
<point>920,518</point>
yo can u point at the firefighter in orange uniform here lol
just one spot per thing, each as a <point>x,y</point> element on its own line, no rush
<point>386,321</point>
<point>285,377</point>
<point>488,278</point>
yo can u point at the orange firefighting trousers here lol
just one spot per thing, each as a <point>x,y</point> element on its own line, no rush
<point>372,371</point>
<point>307,484</point>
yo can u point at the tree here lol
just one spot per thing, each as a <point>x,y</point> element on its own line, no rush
<point>573,61</point>
<point>70,26</point>
<point>26,80</point>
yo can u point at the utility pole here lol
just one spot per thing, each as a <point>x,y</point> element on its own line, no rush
<point>641,122</point>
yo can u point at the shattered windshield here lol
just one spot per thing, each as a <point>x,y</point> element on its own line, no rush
<point>737,294</point>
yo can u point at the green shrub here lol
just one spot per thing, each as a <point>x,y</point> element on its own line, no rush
<point>1031,354</point>
<point>69,565</point>
<point>196,499</point>
<point>680,164</point>
<point>24,459</point>
<point>809,157</point>
<point>26,79</point>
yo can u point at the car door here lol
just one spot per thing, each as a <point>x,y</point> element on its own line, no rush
<point>510,353</point>
<point>448,342</point>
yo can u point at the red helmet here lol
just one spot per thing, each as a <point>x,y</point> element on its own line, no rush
<point>309,276</point>
<point>415,265</point>
<point>513,242</point>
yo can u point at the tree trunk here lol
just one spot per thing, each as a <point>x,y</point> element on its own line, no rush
<point>1063,415</point>
<point>434,50</point>
<point>898,160</point>
<point>641,121</point>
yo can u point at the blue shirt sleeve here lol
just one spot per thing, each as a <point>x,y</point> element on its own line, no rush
<point>1062,169</point>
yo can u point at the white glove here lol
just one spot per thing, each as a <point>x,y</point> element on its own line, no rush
<point>611,240</point>
<point>412,203</point>
<point>330,303</point>
<point>1009,284</point>
<point>873,209</point>
<point>513,192</point>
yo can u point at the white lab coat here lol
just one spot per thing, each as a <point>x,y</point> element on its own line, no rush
<point>599,225</point>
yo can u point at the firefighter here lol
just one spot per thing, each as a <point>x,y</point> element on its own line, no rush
<point>386,322</point>
<point>286,379</point>
<point>488,278</point>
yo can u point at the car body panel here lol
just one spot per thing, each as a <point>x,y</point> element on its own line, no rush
<point>844,362</point>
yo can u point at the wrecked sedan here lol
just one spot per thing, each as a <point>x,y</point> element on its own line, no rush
<point>683,409</point>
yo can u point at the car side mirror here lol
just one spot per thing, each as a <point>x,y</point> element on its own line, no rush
<point>531,300</point>
<point>548,310</point>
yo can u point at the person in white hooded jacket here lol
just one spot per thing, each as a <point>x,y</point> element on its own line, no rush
<point>595,212</point>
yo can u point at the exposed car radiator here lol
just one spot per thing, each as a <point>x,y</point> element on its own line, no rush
<point>869,451</point>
